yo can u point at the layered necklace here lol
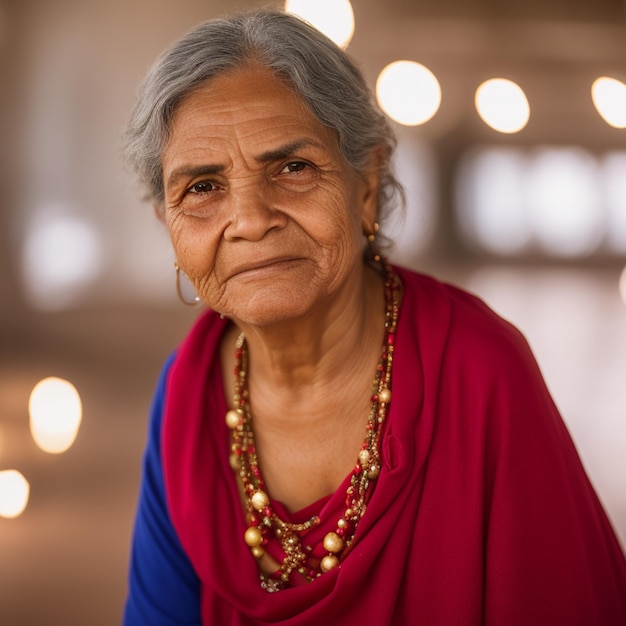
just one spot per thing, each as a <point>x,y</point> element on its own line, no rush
<point>264,524</point>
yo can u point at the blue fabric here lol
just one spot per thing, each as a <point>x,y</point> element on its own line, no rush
<point>163,587</point>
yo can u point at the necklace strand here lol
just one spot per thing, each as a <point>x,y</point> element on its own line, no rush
<point>263,521</point>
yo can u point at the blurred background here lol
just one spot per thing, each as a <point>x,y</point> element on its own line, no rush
<point>516,192</point>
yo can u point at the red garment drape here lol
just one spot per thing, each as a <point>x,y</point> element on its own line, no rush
<point>482,513</point>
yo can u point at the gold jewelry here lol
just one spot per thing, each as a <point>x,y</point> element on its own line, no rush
<point>180,289</point>
<point>264,523</point>
<point>371,233</point>
<point>371,238</point>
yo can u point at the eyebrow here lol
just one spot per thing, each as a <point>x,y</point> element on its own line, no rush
<point>192,171</point>
<point>282,152</point>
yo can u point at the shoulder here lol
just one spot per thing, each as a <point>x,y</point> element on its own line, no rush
<point>468,321</point>
<point>462,339</point>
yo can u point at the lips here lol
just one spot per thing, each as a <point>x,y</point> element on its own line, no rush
<point>261,265</point>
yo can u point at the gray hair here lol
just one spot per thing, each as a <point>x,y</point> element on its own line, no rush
<point>309,63</point>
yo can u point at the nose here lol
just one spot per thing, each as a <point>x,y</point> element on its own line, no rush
<point>251,214</point>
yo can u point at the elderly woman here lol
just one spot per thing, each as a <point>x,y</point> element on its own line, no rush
<point>337,440</point>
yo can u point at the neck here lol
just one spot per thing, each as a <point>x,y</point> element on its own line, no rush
<point>311,362</point>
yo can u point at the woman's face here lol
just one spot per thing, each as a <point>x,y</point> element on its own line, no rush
<point>265,216</point>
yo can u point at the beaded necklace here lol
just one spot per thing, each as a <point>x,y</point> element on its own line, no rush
<point>264,523</point>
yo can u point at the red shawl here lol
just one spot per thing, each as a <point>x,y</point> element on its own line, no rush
<point>482,513</point>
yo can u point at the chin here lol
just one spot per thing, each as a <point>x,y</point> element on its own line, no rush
<point>269,299</point>
<point>269,307</point>
<point>266,316</point>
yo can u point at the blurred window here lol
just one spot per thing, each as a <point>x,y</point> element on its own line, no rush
<point>560,202</point>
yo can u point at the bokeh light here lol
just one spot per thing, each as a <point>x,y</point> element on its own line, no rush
<point>334,18</point>
<point>491,200</point>
<point>563,206</point>
<point>408,92</point>
<point>14,492</point>
<point>55,412</point>
<point>502,105</point>
<point>609,98</point>
<point>62,254</point>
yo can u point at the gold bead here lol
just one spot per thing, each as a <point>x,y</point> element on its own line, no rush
<point>373,472</point>
<point>259,500</point>
<point>329,562</point>
<point>253,537</point>
<point>342,523</point>
<point>364,457</point>
<point>333,542</point>
<point>257,551</point>
<point>233,459</point>
<point>384,395</point>
<point>233,419</point>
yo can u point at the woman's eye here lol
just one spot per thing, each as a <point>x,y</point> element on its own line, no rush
<point>202,187</point>
<point>294,167</point>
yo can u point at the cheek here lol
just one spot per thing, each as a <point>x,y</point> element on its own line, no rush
<point>342,225</point>
<point>194,245</point>
<point>336,206</point>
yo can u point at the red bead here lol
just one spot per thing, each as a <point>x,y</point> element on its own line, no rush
<point>391,338</point>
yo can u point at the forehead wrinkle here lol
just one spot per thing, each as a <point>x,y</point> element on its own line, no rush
<point>205,122</point>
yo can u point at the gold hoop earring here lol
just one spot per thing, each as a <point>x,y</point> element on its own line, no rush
<point>184,289</point>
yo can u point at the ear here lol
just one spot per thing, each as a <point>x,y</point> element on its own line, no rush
<point>371,177</point>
